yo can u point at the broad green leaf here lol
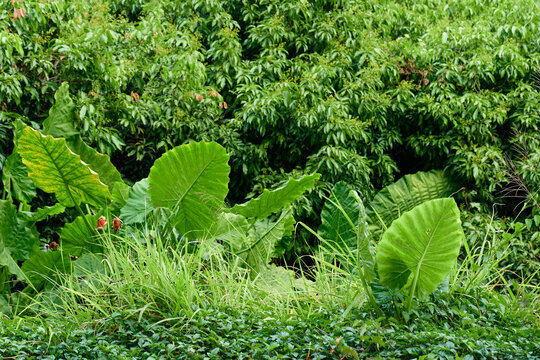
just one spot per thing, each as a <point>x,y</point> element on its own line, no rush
<point>231,229</point>
<point>119,194</point>
<point>340,217</point>
<point>191,180</point>
<point>138,205</point>
<point>272,201</point>
<point>420,248</point>
<point>345,229</point>
<point>60,123</point>
<point>8,261</point>
<point>404,195</point>
<point>42,213</point>
<point>15,237</point>
<point>89,264</point>
<point>76,238</point>
<point>55,169</point>
<point>99,163</point>
<point>15,179</point>
<point>42,268</point>
<point>263,238</point>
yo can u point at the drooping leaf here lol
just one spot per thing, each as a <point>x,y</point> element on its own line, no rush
<point>15,179</point>
<point>231,229</point>
<point>16,238</point>
<point>345,228</point>
<point>403,195</point>
<point>263,238</point>
<point>60,123</point>
<point>55,169</point>
<point>138,205</point>
<point>99,163</point>
<point>272,201</point>
<point>42,213</point>
<point>76,238</point>
<point>191,180</point>
<point>42,267</point>
<point>420,248</point>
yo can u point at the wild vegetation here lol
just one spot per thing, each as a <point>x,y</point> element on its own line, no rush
<point>270,179</point>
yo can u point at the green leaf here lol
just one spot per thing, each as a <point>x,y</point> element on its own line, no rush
<point>7,260</point>
<point>420,248</point>
<point>138,205</point>
<point>404,195</point>
<point>344,226</point>
<point>15,237</point>
<point>99,163</point>
<point>60,122</point>
<point>76,238</point>
<point>231,229</point>
<point>42,268</point>
<point>340,217</point>
<point>272,201</point>
<point>191,180</point>
<point>15,179</point>
<point>263,238</point>
<point>55,169</point>
<point>119,194</point>
<point>42,213</point>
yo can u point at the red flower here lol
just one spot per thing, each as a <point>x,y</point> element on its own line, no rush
<point>117,224</point>
<point>101,223</point>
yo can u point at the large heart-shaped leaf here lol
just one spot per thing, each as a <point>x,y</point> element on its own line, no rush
<point>403,195</point>
<point>344,228</point>
<point>138,205</point>
<point>15,237</point>
<point>15,179</point>
<point>420,248</point>
<point>60,121</point>
<point>191,180</point>
<point>99,163</point>
<point>231,229</point>
<point>263,238</point>
<point>55,169</point>
<point>43,268</point>
<point>76,238</point>
<point>272,201</point>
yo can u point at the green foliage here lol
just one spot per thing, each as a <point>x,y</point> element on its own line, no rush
<point>345,230</point>
<point>403,195</point>
<point>55,169</point>
<point>480,329</point>
<point>272,201</point>
<point>420,248</point>
<point>191,180</point>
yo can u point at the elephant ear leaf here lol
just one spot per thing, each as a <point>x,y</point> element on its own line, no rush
<point>99,163</point>
<point>272,201</point>
<point>43,267</point>
<point>138,205</point>
<point>55,169</point>
<point>420,248</point>
<point>18,239</point>
<point>191,180</point>
<point>60,121</point>
<point>403,195</point>
<point>344,227</point>
<point>15,179</point>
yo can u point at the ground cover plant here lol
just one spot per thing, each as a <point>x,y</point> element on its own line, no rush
<point>291,179</point>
